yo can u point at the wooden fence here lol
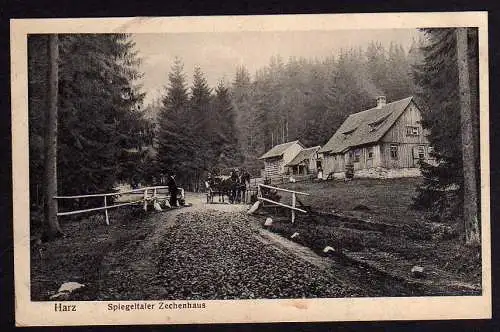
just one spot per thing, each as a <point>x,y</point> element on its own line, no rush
<point>293,207</point>
<point>145,195</point>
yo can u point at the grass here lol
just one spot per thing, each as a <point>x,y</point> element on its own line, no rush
<point>387,200</point>
<point>407,241</point>
<point>78,255</point>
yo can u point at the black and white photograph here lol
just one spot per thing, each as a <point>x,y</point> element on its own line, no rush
<point>173,170</point>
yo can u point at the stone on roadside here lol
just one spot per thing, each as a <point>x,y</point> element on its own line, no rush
<point>254,207</point>
<point>157,206</point>
<point>66,289</point>
<point>294,235</point>
<point>328,249</point>
<point>417,271</point>
<point>268,222</point>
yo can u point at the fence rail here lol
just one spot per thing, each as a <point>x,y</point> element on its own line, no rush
<point>292,207</point>
<point>154,197</point>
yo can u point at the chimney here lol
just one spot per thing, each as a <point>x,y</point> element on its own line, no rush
<point>381,101</point>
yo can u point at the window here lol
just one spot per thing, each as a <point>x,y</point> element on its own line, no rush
<point>421,152</point>
<point>412,131</point>
<point>370,152</point>
<point>394,151</point>
<point>357,154</point>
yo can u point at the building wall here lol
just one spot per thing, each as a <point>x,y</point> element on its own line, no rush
<point>398,132</point>
<point>333,163</point>
<point>409,150</point>
<point>408,146</point>
<point>272,167</point>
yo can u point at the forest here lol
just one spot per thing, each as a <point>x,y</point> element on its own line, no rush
<point>305,99</point>
<point>107,135</point>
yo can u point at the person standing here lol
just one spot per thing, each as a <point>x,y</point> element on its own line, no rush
<point>172,188</point>
<point>245,184</point>
<point>234,186</point>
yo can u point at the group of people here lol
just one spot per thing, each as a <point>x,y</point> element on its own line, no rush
<point>239,184</point>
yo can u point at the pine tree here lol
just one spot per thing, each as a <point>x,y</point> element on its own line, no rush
<point>243,103</point>
<point>198,125</point>
<point>97,94</point>
<point>442,193</point>
<point>50,163</point>
<point>37,108</point>
<point>174,145</point>
<point>223,130</point>
<point>471,215</point>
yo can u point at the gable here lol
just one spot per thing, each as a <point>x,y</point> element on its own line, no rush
<point>305,154</point>
<point>407,128</point>
<point>365,127</point>
<point>278,150</point>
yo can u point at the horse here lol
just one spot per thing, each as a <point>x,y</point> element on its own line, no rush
<point>221,186</point>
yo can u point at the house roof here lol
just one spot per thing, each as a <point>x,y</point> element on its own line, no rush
<point>366,127</point>
<point>303,155</point>
<point>278,150</point>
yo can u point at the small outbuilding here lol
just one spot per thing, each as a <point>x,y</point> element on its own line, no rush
<point>305,162</point>
<point>278,157</point>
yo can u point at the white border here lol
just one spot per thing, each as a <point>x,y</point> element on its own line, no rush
<point>345,309</point>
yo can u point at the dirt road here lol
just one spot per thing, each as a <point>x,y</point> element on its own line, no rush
<point>216,251</point>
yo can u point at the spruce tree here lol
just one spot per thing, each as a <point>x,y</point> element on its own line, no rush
<point>97,94</point>
<point>437,76</point>
<point>224,134</point>
<point>174,144</point>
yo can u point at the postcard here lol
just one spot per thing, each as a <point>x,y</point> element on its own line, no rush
<point>242,169</point>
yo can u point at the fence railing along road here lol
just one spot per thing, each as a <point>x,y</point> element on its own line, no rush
<point>147,194</point>
<point>293,207</point>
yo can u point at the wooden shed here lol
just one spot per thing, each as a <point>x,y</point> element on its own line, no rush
<point>305,162</point>
<point>276,158</point>
<point>385,141</point>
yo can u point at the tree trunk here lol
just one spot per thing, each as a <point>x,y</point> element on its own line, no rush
<point>471,223</point>
<point>50,168</point>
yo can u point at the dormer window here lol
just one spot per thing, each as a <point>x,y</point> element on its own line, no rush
<point>348,133</point>
<point>412,131</point>
<point>377,123</point>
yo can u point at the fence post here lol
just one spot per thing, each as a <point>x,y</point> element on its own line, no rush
<point>293,205</point>
<point>106,209</point>
<point>145,200</point>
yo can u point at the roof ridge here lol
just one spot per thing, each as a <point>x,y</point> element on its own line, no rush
<point>375,108</point>
<point>360,121</point>
<point>286,143</point>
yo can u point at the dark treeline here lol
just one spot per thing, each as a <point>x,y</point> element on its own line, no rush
<point>309,99</point>
<point>201,128</point>
<point>196,129</point>
<point>100,121</point>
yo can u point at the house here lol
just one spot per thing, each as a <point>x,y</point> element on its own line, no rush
<point>279,156</point>
<point>385,141</point>
<point>305,162</point>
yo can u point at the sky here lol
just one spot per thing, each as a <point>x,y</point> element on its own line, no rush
<point>219,53</point>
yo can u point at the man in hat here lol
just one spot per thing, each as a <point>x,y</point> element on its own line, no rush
<point>172,188</point>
